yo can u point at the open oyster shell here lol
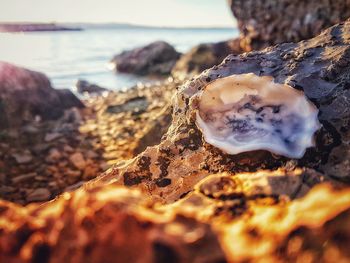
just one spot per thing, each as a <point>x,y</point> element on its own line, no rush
<point>246,112</point>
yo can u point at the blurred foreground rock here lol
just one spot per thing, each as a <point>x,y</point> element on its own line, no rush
<point>27,95</point>
<point>264,23</point>
<point>225,218</point>
<point>157,58</point>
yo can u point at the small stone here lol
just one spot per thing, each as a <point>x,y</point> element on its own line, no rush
<point>91,154</point>
<point>23,178</point>
<point>30,129</point>
<point>54,155</point>
<point>40,178</point>
<point>90,171</point>
<point>68,148</point>
<point>71,173</point>
<point>22,158</point>
<point>77,159</point>
<point>2,177</point>
<point>4,189</point>
<point>39,194</point>
<point>52,136</point>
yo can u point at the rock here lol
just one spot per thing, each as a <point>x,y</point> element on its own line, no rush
<point>23,158</point>
<point>6,189</point>
<point>77,159</point>
<point>82,86</point>
<point>135,105</point>
<point>115,221</point>
<point>38,195</point>
<point>90,172</point>
<point>156,58</point>
<point>204,56</point>
<point>52,136</point>
<point>264,23</point>
<point>23,178</point>
<point>319,67</point>
<point>25,94</point>
<point>53,156</point>
<point>155,131</point>
<point>68,99</point>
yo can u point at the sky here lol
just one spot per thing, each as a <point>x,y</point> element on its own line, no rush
<point>181,13</point>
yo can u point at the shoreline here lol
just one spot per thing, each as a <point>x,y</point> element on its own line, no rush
<point>35,27</point>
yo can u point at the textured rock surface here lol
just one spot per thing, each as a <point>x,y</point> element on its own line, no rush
<point>62,154</point>
<point>156,58</point>
<point>319,67</point>
<point>204,56</point>
<point>256,211</point>
<point>263,23</point>
<point>25,94</point>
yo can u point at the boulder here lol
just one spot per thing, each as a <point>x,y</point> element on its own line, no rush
<point>263,23</point>
<point>319,67</point>
<point>26,94</point>
<point>117,224</point>
<point>204,56</point>
<point>157,58</point>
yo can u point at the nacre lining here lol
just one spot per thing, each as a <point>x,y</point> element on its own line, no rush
<point>246,112</point>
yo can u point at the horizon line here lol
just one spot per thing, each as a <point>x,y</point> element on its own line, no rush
<point>118,23</point>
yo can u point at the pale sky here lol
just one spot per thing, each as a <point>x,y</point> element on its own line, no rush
<point>145,12</point>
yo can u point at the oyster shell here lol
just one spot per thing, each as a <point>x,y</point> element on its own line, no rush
<point>246,112</point>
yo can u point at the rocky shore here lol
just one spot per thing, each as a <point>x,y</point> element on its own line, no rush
<point>136,178</point>
<point>42,158</point>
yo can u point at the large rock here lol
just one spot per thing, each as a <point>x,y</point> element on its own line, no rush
<point>25,94</point>
<point>204,56</point>
<point>320,67</point>
<point>156,58</point>
<point>263,23</point>
<point>249,218</point>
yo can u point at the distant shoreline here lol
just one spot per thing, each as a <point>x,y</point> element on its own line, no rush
<point>35,27</point>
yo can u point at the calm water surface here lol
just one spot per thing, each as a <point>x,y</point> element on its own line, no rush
<point>71,55</point>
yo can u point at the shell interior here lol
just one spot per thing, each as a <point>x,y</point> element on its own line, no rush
<point>246,112</point>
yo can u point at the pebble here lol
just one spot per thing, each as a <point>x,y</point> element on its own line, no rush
<point>52,136</point>
<point>71,173</point>
<point>39,194</point>
<point>23,178</point>
<point>54,155</point>
<point>4,189</point>
<point>22,158</point>
<point>77,159</point>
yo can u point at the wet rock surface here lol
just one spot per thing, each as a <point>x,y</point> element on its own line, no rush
<point>27,95</point>
<point>157,58</point>
<point>264,23</point>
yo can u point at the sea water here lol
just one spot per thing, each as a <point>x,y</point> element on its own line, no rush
<point>67,56</point>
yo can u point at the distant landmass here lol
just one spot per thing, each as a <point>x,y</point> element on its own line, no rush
<point>35,27</point>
